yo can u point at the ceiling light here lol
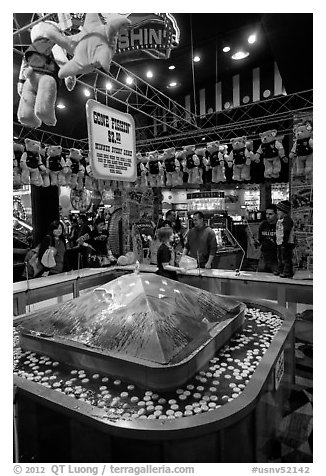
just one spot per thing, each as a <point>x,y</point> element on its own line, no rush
<point>240,55</point>
<point>171,66</point>
<point>108,86</point>
<point>87,93</point>
<point>252,39</point>
<point>149,74</point>
<point>196,59</point>
<point>226,49</point>
<point>129,80</point>
<point>61,106</point>
<point>172,84</point>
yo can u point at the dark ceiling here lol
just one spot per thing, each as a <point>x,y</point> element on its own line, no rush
<point>279,38</point>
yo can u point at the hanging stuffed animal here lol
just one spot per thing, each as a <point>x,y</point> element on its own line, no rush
<point>200,152</point>
<point>43,167</point>
<point>17,174</point>
<point>272,151</point>
<point>172,167</point>
<point>76,170</point>
<point>302,150</point>
<point>154,167</point>
<point>215,161</point>
<point>29,163</point>
<point>38,78</point>
<point>56,164</point>
<point>189,151</point>
<point>240,157</point>
<point>95,45</point>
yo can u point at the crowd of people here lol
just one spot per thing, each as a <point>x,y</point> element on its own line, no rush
<point>86,244</point>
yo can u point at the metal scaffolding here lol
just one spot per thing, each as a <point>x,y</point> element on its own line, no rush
<point>180,125</point>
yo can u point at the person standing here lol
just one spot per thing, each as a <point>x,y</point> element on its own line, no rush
<point>267,241</point>
<point>165,255</point>
<point>201,242</point>
<point>284,240</point>
<point>55,239</point>
<point>99,242</point>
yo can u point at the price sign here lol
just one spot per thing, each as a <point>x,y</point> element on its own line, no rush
<point>112,143</point>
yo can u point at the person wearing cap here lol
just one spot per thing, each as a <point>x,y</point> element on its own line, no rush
<point>284,240</point>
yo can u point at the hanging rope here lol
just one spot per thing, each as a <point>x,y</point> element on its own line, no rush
<point>192,67</point>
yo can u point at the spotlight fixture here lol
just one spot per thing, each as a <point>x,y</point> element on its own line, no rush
<point>87,93</point>
<point>252,39</point>
<point>108,86</point>
<point>61,106</point>
<point>149,74</point>
<point>196,59</point>
<point>240,55</point>
<point>129,80</point>
<point>226,49</point>
<point>171,66</point>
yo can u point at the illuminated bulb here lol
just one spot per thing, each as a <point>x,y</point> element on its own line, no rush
<point>171,66</point>
<point>129,80</point>
<point>172,84</point>
<point>252,39</point>
<point>149,74</point>
<point>240,55</point>
<point>196,59</point>
<point>61,106</point>
<point>108,86</point>
<point>226,49</point>
<point>87,93</point>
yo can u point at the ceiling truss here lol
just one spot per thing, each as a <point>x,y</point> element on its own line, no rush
<point>178,123</point>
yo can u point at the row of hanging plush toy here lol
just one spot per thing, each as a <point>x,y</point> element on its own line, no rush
<point>46,166</point>
<point>167,169</point>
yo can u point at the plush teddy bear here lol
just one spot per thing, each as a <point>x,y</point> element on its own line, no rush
<point>38,77</point>
<point>76,170</point>
<point>56,164</point>
<point>43,167</point>
<point>94,46</point>
<point>272,151</point>
<point>302,150</point>
<point>200,152</point>
<point>240,157</point>
<point>89,176</point>
<point>172,167</point>
<point>192,164</point>
<point>154,167</point>
<point>18,152</point>
<point>29,163</point>
<point>141,181</point>
<point>216,161</point>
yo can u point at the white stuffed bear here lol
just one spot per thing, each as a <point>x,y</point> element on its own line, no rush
<point>216,160</point>
<point>302,150</point>
<point>38,78</point>
<point>172,167</point>
<point>192,164</point>
<point>76,170</point>
<point>56,164</point>
<point>201,154</point>
<point>45,171</point>
<point>272,151</point>
<point>240,157</point>
<point>30,162</point>
<point>141,181</point>
<point>155,169</point>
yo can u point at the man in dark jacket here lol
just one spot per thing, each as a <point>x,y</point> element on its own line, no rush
<point>267,241</point>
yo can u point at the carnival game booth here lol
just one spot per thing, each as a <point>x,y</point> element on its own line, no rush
<point>127,373</point>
